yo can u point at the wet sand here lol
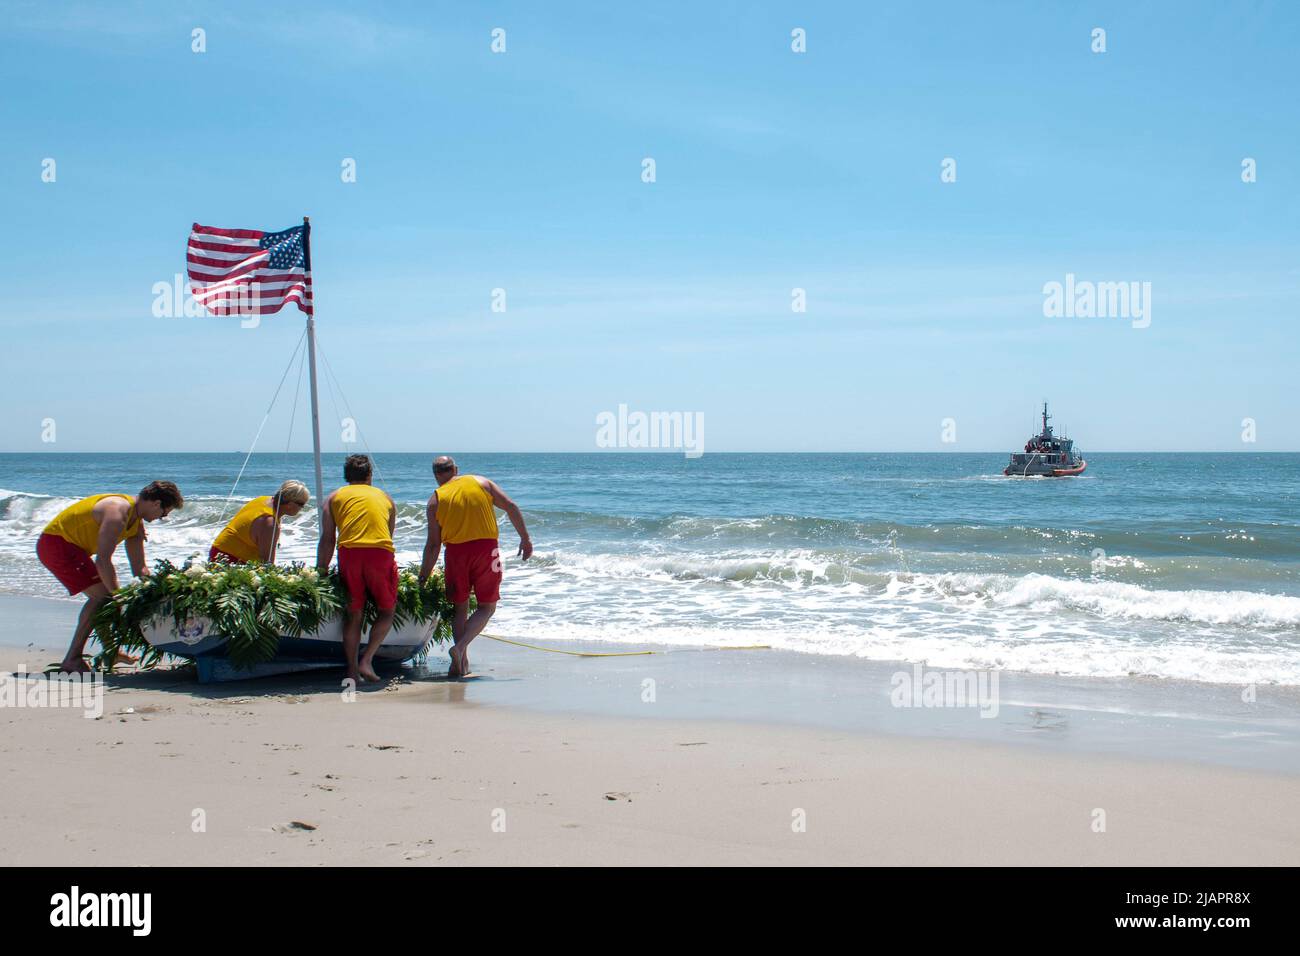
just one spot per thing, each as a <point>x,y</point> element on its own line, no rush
<point>728,757</point>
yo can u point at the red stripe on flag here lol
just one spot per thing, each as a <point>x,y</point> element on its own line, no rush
<point>262,275</point>
<point>244,263</point>
<point>231,233</point>
<point>245,309</point>
<point>242,268</point>
<point>214,246</point>
<point>248,295</point>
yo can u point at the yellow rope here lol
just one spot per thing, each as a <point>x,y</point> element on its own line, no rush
<point>556,650</point>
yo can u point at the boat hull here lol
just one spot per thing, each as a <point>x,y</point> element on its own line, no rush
<point>196,638</point>
<point>1040,469</point>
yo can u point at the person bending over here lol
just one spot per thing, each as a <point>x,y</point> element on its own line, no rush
<point>460,514</point>
<point>254,532</point>
<point>77,547</point>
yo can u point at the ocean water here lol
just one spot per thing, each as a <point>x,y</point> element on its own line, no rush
<point>1175,566</point>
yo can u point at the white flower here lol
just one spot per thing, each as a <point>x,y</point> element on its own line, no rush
<point>309,574</point>
<point>194,570</point>
<point>254,580</point>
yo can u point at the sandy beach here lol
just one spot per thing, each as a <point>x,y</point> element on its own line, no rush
<point>536,763</point>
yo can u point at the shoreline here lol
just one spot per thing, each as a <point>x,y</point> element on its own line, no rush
<point>1133,717</point>
<point>743,757</point>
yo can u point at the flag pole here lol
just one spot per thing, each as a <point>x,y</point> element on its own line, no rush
<point>311,365</point>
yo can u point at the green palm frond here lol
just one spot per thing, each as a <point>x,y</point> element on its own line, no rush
<point>253,605</point>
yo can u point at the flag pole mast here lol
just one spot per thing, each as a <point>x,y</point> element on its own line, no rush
<point>311,365</point>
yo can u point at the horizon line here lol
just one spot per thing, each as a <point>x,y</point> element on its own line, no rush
<point>671,452</point>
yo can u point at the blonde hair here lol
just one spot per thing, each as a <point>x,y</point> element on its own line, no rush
<point>293,491</point>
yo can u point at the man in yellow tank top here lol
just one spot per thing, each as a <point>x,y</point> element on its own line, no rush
<point>362,518</point>
<point>77,547</point>
<point>253,533</point>
<point>460,515</point>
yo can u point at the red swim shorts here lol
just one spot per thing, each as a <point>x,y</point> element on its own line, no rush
<point>215,555</point>
<point>477,565</point>
<point>370,571</point>
<point>74,568</point>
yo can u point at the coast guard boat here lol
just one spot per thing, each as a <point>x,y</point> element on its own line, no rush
<point>1046,455</point>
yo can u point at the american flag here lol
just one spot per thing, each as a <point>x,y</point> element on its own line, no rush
<point>249,272</point>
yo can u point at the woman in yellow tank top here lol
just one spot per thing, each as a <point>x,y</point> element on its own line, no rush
<point>253,533</point>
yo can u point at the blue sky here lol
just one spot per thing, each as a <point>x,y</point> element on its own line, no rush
<point>775,170</point>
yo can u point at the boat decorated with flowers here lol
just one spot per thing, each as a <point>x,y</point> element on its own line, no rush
<point>250,620</point>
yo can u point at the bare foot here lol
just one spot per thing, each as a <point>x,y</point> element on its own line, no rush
<point>459,662</point>
<point>353,676</point>
<point>75,666</point>
<point>368,672</point>
<point>124,658</point>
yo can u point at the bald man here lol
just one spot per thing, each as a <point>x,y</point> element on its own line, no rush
<point>461,515</point>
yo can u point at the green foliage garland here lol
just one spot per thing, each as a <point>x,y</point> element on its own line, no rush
<point>253,605</point>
